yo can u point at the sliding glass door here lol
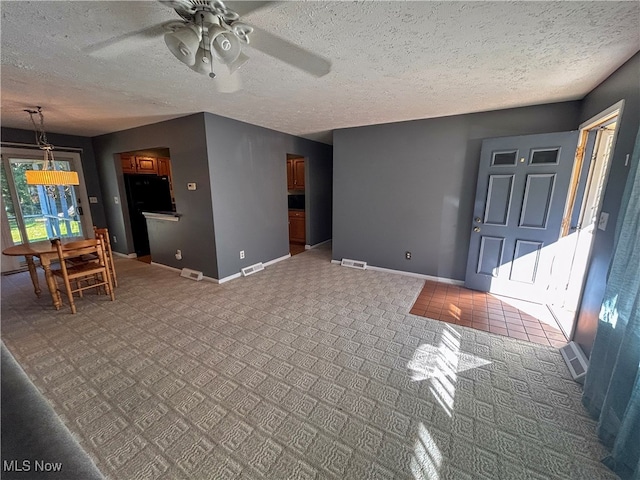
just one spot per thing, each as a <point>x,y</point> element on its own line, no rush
<point>35,213</point>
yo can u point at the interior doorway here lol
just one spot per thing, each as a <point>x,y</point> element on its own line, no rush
<point>583,215</point>
<point>149,188</point>
<point>296,202</point>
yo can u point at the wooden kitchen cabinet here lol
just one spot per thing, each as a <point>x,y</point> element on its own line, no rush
<point>290,175</point>
<point>138,164</point>
<point>164,167</point>
<point>295,174</point>
<point>296,227</point>
<point>128,163</point>
<point>147,165</point>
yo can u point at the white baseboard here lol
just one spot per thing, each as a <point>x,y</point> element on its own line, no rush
<point>230,277</point>
<point>276,260</point>
<point>266,264</point>
<point>179,271</point>
<point>309,247</point>
<point>449,281</point>
<point>166,267</point>
<point>125,255</point>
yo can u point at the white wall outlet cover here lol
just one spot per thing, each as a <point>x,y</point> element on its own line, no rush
<point>191,186</point>
<point>604,219</point>
<point>116,200</point>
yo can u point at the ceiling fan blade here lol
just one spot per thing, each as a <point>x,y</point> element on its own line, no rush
<point>121,44</point>
<point>290,53</point>
<point>242,8</point>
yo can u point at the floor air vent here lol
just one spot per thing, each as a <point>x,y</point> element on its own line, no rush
<point>252,269</point>
<point>353,264</point>
<point>575,360</point>
<point>192,274</point>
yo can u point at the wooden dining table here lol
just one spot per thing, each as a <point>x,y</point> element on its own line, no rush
<point>45,251</point>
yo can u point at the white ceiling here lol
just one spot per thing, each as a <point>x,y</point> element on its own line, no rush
<point>391,61</point>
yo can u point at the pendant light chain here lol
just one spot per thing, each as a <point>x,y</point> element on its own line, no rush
<point>41,135</point>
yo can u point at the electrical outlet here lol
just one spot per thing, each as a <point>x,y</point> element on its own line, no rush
<point>116,200</point>
<point>241,254</point>
<point>407,255</point>
<point>115,240</point>
<point>178,254</point>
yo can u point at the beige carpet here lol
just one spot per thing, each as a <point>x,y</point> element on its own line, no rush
<point>306,370</point>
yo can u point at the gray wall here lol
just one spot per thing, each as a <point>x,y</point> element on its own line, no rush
<point>318,191</point>
<point>89,167</point>
<point>249,191</point>
<point>410,186</point>
<point>194,233</point>
<point>624,84</point>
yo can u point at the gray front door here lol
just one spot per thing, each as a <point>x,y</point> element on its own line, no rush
<point>520,200</point>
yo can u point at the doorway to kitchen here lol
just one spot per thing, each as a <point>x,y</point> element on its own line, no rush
<point>296,202</point>
<point>149,188</point>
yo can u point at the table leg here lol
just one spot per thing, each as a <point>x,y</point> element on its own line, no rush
<point>51,283</point>
<point>34,274</point>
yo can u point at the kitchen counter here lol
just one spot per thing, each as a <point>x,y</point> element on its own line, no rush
<point>166,216</point>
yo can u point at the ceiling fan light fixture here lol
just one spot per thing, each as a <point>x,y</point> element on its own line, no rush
<point>203,64</point>
<point>183,43</point>
<point>238,62</point>
<point>242,31</point>
<point>226,47</point>
<point>221,9</point>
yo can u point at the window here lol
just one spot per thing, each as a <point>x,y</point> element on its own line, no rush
<point>33,215</point>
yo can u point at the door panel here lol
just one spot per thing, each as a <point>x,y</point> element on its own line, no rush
<point>537,200</point>
<point>498,199</point>
<point>520,199</point>
<point>526,259</point>
<point>490,256</point>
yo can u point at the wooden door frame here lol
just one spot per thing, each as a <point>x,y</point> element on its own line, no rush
<point>594,122</point>
<point>615,111</point>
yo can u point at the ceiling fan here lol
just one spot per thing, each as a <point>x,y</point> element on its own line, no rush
<point>211,37</point>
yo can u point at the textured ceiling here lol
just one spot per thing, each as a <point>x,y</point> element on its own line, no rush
<point>391,61</point>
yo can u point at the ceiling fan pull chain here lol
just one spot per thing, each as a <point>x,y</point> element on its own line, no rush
<point>212,74</point>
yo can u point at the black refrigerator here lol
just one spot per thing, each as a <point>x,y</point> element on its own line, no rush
<point>145,193</point>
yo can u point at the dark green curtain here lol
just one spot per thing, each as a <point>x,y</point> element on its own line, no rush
<point>612,387</point>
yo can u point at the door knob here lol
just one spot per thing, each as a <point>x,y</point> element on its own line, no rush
<point>476,229</point>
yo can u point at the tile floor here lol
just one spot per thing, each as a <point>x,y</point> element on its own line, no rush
<point>483,311</point>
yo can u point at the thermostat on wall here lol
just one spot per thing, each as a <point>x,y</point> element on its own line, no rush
<point>191,186</point>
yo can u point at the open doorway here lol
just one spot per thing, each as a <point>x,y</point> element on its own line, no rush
<point>583,215</point>
<point>296,202</point>
<point>148,186</point>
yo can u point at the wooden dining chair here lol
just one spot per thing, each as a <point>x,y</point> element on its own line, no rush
<point>78,277</point>
<point>103,234</point>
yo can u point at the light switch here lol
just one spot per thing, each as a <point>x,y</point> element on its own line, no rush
<point>116,200</point>
<point>191,186</point>
<point>604,219</point>
<point>93,199</point>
